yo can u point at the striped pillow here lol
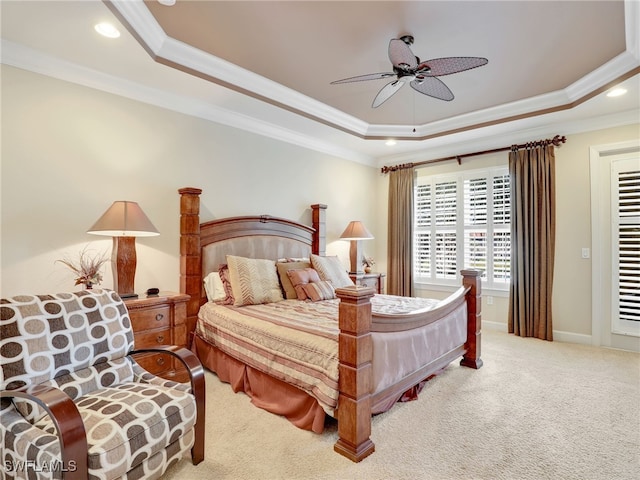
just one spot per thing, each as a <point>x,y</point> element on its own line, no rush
<point>317,291</point>
<point>228,299</point>
<point>301,277</point>
<point>283,269</point>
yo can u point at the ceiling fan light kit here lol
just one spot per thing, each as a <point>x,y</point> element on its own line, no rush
<point>422,76</point>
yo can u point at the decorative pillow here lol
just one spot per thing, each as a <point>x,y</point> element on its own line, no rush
<point>214,288</point>
<point>332,270</point>
<point>293,259</point>
<point>253,281</point>
<point>223,271</point>
<point>317,291</point>
<point>301,277</point>
<point>283,268</point>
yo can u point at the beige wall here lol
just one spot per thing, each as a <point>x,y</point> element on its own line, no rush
<point>572,281</point>
<point>68,152</point>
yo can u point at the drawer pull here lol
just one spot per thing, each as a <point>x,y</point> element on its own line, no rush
<point>160,361</point>
<point>160,338</point>
<point>159,317</point>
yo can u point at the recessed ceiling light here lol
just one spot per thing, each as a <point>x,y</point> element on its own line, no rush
<point>391,142</point>
<point>168,3</point>
<point>616,92</point>
<point>108,30</point>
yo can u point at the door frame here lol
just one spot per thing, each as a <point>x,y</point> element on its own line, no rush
<point>601,248</point>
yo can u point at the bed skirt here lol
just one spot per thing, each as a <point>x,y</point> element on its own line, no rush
<point>274,395</point>
<point>265,392</point>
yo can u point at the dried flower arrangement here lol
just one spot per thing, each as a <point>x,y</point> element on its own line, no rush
<point>86,267</point>
<point>368,261</point>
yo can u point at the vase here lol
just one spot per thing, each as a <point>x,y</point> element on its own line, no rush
<point>367,269</point>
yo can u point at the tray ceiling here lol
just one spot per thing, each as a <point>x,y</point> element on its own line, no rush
<point>270,64</point>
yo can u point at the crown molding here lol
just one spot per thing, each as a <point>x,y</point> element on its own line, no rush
<point>632,27</point>
<point>25,58</point>
<point>480,138</point>
<point>497,136</point>
<point>495,125</point>
<point>164,49</point>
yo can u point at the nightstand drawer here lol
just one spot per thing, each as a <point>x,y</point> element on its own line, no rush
<point>369,282</point>
<point>156,321</point>
<point>151,318</point>
<point>153,338</point>
<point>154,363</point>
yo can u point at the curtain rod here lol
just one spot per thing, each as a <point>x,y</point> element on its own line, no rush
<point>556,141</point>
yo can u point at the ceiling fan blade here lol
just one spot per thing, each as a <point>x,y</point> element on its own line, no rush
<point>386,93</point>
<point>362,78</point>
<point>400,55</point>
<point>432,86</point>
<point>449,65</point>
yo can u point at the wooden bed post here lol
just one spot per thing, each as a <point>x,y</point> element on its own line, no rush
<point>319,223</point>
<point>471,279</point>
<point>355,373</point>
<point>190,261</point>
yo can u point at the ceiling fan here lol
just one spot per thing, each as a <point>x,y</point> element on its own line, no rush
<point>422,76</point>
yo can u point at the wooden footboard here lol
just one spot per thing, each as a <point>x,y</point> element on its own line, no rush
<point>356,355</point>
<point>355,341</point>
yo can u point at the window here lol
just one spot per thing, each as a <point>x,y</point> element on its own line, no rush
<point>462,221</point>
<point>625,203</point>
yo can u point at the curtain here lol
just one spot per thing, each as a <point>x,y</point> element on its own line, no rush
<point>400,236</point>
<point>532,177</point>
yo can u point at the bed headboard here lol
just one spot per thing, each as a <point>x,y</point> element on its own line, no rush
<point>204,246</point>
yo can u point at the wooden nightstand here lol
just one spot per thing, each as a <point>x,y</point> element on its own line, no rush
<point>373,280</point>
<point>160,320</point>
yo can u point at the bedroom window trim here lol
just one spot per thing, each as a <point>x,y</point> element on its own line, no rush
<point>445,215</point>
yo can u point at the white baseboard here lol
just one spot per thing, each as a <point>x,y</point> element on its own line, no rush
<point>569,337</point>
<point>566,337</point>
<point>558,336</point>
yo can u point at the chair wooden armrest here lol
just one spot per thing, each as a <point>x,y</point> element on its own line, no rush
<point>196,375</point>
<point>68,423</point>
<point>187,357</point>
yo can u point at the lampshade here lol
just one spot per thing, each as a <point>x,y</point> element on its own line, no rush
<point>124,219</point>
<point>356,231</point>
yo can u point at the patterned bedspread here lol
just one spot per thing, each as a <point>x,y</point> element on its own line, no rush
<point>294,341</point>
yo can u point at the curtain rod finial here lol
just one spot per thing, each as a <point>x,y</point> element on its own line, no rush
<point>557,140</point>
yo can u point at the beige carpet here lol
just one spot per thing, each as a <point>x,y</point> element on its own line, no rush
<point>536,410</point>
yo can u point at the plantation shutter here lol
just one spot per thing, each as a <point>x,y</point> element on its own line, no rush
<point>475,224</point>
<point>501,252</point>
<point>422,241</point>
<point>446,211</point>
<point>461,220</point>
<point>626,241</point>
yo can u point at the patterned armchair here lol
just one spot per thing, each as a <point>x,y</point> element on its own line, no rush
<point>73,402</point>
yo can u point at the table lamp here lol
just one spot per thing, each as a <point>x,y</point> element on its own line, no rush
<point>356,231</point>
<point>124,221</point>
